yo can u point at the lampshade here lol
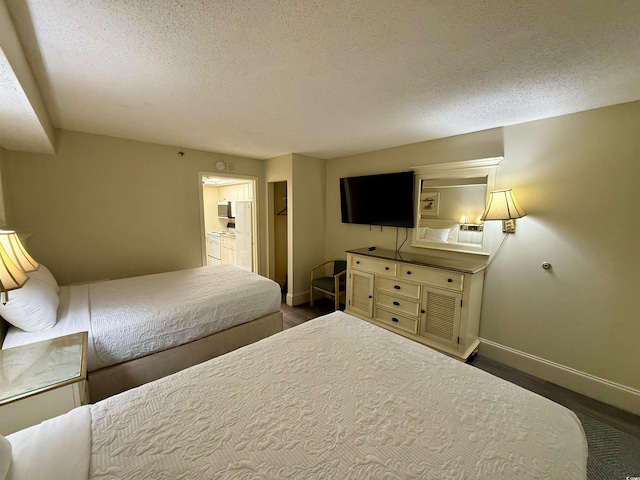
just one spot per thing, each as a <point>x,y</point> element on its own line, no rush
<point>11,275</point>
<point>502,205</point>
<point>16,251</point>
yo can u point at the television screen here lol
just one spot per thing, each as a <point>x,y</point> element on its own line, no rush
<point>385,199</point>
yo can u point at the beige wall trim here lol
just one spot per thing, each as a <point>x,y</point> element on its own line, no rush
<point>298,298</point>
<point>612,393</point>
<point>438,168</point>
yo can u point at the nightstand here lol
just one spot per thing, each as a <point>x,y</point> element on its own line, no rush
<point>41,380</point>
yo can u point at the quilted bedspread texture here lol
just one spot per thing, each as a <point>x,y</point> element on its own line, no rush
<point>335,398</point>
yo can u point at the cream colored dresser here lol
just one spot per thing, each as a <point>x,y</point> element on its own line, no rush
<point>41,380</point>
<point>431,300</point>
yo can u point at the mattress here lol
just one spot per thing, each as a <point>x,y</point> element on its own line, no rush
<point>133,317</point>
<point>334,398</point>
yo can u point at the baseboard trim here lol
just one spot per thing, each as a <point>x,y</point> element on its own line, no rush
<point>298,298</point>
<point>606,391</point>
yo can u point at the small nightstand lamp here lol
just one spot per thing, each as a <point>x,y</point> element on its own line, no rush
<point>11,276</point>
<point>17,253</point>
<point>502,205</point>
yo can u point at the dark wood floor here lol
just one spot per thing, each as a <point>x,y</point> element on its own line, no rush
<point>615,417</point>
<point>293,316</point>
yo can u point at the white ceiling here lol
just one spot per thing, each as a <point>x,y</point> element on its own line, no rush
<point>324,78</point>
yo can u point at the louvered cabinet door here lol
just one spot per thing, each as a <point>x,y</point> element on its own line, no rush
<point>426,301</point>
<point>440,316</point>
<point>360,292</point>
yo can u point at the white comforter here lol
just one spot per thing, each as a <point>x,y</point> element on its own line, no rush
<point>335,398</point>
<point>133,317</point>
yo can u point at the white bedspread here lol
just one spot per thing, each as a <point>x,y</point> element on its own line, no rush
<point>335,398</point>
<point>133,317</point>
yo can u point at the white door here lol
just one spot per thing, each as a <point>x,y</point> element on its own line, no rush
<point>244,218</point>
<point>244,251</point>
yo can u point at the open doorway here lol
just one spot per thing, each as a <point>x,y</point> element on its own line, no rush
<point>228,220</point>
<point>279,235</point>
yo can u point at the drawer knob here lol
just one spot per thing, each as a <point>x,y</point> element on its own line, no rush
<point>397,287</point>
<point>449,280</point>
<point>408,272</point>
<point>423,311</point>
<point>386,268</point>
<point>358,262</point>
<point>370,296</point>
<point>397,304</point>
<point>394,319</point>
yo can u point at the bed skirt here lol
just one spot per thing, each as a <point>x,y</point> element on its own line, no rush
<point>114,379</point>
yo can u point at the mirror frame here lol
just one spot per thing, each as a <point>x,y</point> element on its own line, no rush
<point>485,167</point>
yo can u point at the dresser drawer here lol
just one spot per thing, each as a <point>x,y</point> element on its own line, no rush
<point>431,276</point>
<point>408,307</point>
<point>374,265</point>
<point>395,286</point>
<point>396,320</point>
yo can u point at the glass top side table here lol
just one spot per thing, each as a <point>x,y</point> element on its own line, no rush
<point>41,380</point>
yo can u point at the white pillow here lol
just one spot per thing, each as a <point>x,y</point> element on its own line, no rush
<point>433,234</point>
<point>5,457</point>
<point>32,308</point>
<point>45,276</point>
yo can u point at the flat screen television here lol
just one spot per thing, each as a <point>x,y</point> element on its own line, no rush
<point>385,199</point>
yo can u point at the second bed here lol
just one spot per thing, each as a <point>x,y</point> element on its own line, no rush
<point>144,328</point>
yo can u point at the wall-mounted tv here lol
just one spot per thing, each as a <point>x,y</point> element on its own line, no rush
<point>385,199</point>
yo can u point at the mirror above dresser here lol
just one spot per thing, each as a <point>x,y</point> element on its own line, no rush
<point>449,200</point>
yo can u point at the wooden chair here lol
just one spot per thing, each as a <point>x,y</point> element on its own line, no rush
<point>335,286</point>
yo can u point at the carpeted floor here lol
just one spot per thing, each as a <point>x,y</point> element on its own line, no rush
<point>613,454</point>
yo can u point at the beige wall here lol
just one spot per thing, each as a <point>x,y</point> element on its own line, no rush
<point>576,176</point>
<point>578,324</point>
<point>308,211</point>
<point>305,177</point>
<point>105,207</point>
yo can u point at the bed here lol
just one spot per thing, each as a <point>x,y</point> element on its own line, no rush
<point>144,328</point>
<point>334,398</point>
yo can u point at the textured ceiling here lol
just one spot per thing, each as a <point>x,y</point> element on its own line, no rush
<point>324,78</point>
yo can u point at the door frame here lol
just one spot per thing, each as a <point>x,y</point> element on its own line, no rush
<point>255,219</point>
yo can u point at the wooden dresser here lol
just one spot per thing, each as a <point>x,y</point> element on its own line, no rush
<point>432,300</point>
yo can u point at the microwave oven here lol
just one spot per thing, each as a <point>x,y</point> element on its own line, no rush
<point>225,210</point>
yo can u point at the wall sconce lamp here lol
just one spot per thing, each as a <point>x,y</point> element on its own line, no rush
<point>15,261</point>
<point>502,205</point>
